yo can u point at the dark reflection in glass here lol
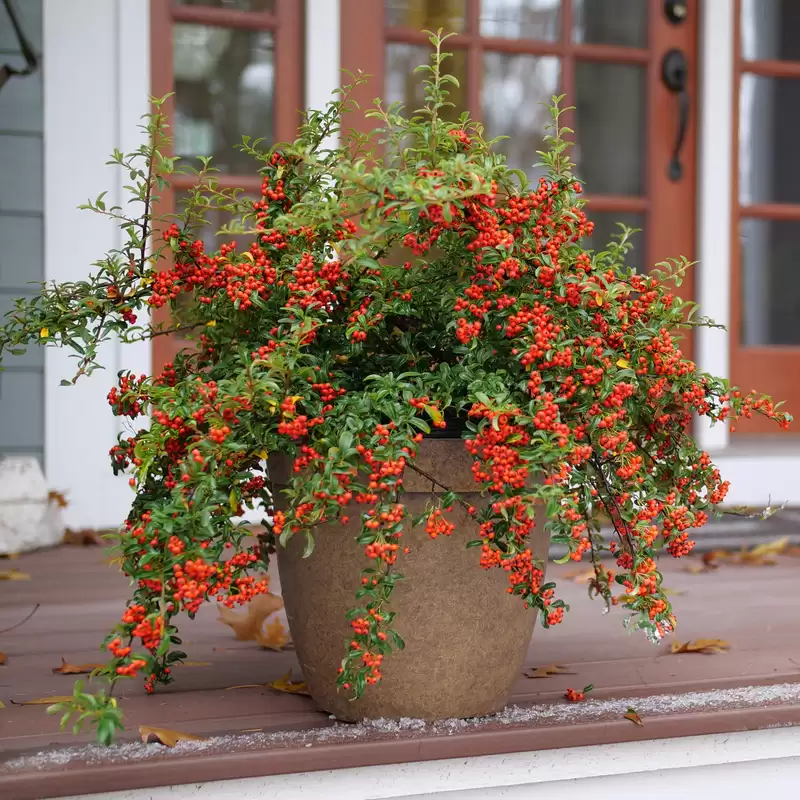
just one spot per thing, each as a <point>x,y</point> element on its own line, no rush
<point>515,87</point>
<point>770,283</point>
<point>617,22</point>
<point>216,219</point>
<point>769,112</point>
<point>521,19</point>
<point>610,127</point>
<point>769,29</point>
<point>224,89</point>
<point>406,86</point>
<point>606,227</point>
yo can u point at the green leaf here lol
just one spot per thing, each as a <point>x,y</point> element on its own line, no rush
<point>309,548</point>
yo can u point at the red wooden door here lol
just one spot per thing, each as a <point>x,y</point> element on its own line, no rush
<point>765,328</point>
<point>607,56</point>
<point>234,69</point>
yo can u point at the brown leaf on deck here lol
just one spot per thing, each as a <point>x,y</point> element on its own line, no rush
<point>85,537</point>
<point>165,736</point>
<point>633,717</point>
<point>763,554</point>
<point>285,684</point>
<point>246,626</point>
<point>46,701</point>
<point>245,686</point>
<point>274,636</point>
<point>2,704</point>
<point>546,672</point>
<point>704,646</point>
<point>75,669</point>
<point>14,575</point>
<point>3,659</point>
<point>581,575</point>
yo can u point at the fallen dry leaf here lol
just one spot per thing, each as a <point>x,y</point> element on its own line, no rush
<point>546,672</point>
<point>245,686</point>
<point>673,592</point>
<point>580,576</point>
<point>246,626</point>
<point>57,499</point>
<point>705,646</point>
<point>633,717</point>
<point>708,562</point>
<point>2,704</point>
<point>165,736</point>
<point>14,575</point>
<point>251,730</point>
<point>763,554</point>
<point>3,658</point>
<point>85,537</point>
<point>46,701</point>
<point>285,684</point>
<point>75,669</point>
<point>274,636</point>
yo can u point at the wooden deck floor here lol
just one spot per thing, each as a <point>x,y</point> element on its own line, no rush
<point>754,608</point>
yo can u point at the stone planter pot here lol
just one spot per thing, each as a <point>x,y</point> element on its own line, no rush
<point>465,636</point>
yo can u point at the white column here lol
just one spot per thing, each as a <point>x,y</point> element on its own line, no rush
<point>96,87</point>
<point>323,54</point>
<point>714,197</point>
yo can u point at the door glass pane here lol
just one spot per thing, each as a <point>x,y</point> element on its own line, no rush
<point>609,127</point>
<point>216,218</point>
<point>238,5</point>
<point>521,19</point>
<point>620,22</point>
<point>770,286</point>
<point>606,227</point>
<point>406,86</point>
<point>769,29</point>
<point>223,90</point>
<point>427,15</point>
<point>514,91</point>
<point>768,119</point>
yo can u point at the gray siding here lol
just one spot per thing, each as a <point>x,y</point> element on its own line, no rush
<point>21,230</point>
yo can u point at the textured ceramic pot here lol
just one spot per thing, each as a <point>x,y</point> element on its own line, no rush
<point>465,636</point>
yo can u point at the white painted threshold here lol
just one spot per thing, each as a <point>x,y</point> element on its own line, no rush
<point>761,474</point>
<point>697,766</point>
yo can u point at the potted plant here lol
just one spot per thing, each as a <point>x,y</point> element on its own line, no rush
<point>436,377</point>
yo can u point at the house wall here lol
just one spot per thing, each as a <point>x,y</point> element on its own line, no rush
<point>96,88</point>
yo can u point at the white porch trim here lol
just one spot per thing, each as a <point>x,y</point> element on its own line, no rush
<point>96,88</point>
<point>323,61</point>
<point>714,188</point>
<point>738,765</point>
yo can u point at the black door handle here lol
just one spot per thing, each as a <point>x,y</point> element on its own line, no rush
<point>675,75</point>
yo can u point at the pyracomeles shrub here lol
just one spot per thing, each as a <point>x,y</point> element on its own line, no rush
<point>385,290</point>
